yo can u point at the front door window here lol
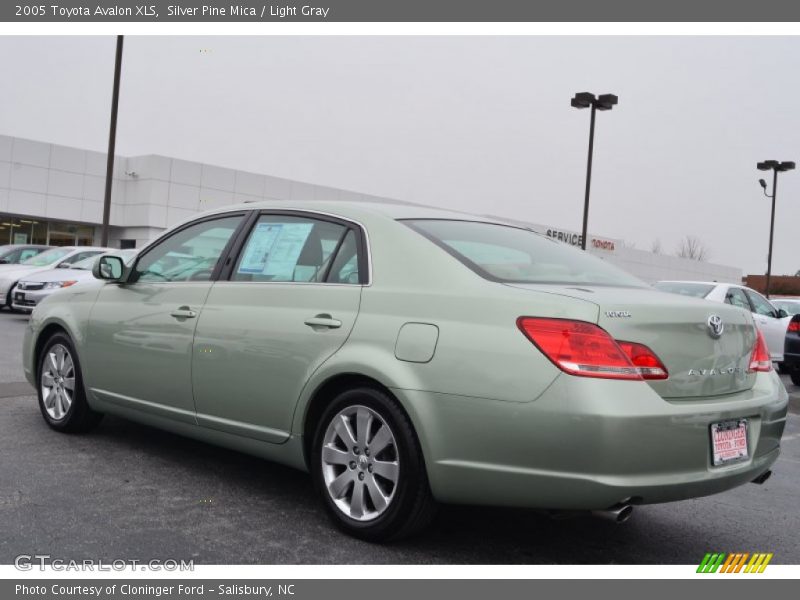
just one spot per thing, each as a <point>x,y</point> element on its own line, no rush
<point>191,254</point>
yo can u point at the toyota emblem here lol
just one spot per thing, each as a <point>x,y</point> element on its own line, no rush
<point>715,326</point>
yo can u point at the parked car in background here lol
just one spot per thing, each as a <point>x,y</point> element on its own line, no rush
<point>405,356</point>
<point>770,320</point>
<point>13,254</point>
<point>61,256</point>
<point>790,305</point>
<point>791,358</point>
<point>33,288</point>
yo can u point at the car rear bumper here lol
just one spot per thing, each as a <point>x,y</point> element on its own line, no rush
<point>589,444</point>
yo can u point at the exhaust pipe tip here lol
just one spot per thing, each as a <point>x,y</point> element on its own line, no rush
<point>618,513</point>
<point>761,479</point>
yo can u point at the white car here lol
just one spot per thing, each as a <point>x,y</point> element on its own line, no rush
<point>32,289</point>
<point>63,257</point>
<point>790,305</point>
<point>773,322</point>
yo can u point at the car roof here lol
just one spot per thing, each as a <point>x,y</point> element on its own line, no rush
<point>355,210</point>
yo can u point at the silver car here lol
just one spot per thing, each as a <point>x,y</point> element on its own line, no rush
<point>31,290</point>
<point>65,255</point>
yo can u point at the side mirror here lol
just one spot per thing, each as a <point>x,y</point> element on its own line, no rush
<point>782,314</point>
<point>109,268</point>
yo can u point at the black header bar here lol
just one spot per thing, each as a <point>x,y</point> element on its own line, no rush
<point>154,11</point>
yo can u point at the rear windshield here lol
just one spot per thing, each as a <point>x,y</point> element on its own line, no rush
<point>698,290</point>
<point>514,255</point>
<point>790,306</point>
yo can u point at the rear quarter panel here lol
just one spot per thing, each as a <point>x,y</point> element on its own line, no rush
<point>480,352</point>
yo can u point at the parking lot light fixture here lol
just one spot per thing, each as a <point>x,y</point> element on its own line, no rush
<point>776,167</point>
<point>112,140</point>
<point>602,102</point>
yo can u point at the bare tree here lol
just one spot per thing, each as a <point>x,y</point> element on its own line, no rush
<point>692,248</point>
<point>655,247</point>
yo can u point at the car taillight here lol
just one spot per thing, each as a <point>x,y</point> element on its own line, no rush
<point>644,359</point>
<point>579,348</point>
<point>794,327</point>
<point>760,360</point>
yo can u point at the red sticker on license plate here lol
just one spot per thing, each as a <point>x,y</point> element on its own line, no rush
<point>729,441</point>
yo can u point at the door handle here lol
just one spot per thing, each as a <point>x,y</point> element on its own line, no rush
<point>323,320</point>
<point>184,312</point>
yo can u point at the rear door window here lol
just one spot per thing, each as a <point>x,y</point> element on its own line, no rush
<point>345,268</point>
<point>736,297</point>
<point>287,248</point>
<point>761,305</point>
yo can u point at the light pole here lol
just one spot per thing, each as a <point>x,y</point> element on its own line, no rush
<point>602,102</point>
<point>775,167</point>
<point>112,140</point>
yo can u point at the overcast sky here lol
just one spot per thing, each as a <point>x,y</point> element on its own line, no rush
<point>481,124</point>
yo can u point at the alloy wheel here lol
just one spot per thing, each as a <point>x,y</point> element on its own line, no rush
<point>360,463</point>
<point>58,381</point>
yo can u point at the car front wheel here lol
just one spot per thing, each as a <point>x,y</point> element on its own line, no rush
<point>368,467</point>
<point>62,398</point>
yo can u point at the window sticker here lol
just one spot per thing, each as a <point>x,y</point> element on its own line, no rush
<point>274,248</point>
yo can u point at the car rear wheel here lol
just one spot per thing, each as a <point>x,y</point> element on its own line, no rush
<point>62,398</point>
<point>368,467</point>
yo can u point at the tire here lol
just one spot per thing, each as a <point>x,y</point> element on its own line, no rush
<point>63,409</point>
<point>783,369</point>
<point>394,473</point>
<point>795,376</point>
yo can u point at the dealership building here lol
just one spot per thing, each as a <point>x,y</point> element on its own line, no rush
<point>51,194</point>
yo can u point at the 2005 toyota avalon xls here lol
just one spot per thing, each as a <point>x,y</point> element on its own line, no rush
<point>406,356</point>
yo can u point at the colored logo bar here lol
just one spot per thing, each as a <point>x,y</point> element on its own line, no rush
<point>738,562</point>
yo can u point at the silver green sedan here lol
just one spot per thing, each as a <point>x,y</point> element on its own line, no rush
<point>407,356</point>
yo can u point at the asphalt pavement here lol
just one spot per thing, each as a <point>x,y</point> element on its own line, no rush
<point>126,491</point>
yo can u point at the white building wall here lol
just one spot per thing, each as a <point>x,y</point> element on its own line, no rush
<point>149,193</point>
<point>152,192</point>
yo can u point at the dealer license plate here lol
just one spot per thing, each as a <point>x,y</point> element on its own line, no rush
<point>729,441</point>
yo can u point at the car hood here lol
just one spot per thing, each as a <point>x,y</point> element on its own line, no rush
<point>57,275</point>
<point>14,272</point>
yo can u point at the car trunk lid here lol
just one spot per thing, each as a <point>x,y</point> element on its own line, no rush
<point>680,332</point>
